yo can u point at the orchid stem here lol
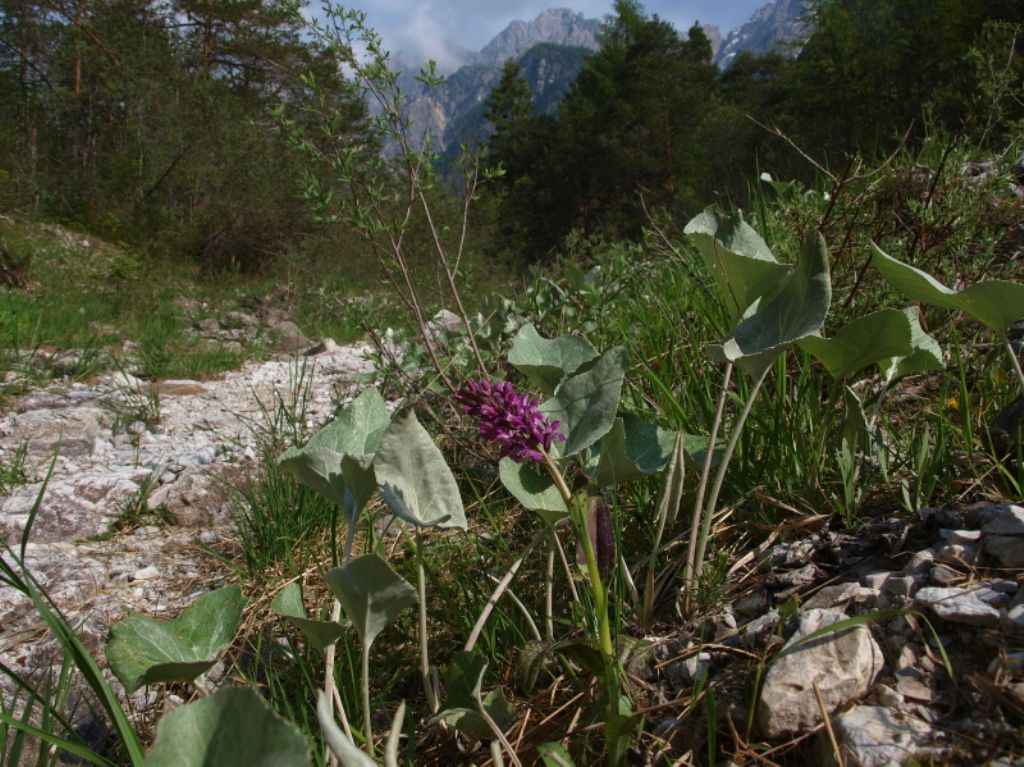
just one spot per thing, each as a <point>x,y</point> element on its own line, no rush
<point>556,476</point>
<point>563,489</point>
<point>549,588</point>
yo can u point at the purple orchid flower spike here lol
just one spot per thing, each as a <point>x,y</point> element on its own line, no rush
<point>510,418</point>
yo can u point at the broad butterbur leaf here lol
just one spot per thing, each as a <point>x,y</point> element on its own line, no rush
<point>320,634</point>
<point>632,449</point>
<point>359,427</point>
<point>234,726</point>
<point>360,483</point>
<point>466,678</point>
<point>415,479</point>
<point>465,698</point>
<point>585,405</point>
<point>926,353</point>
<point>319,469</point>
<point>145,651</point>
<point>545,362</point>
<point>371,593</point>
<point>695,448</point>
<point>470,723</point>
<point>997,304</point>
<point>795,313</point>
<point>337,462</point>
<point>533,487</point>
<point>741,264</point>
<point>862,342</point>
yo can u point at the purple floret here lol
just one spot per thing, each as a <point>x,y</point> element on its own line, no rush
<point>510,418</point>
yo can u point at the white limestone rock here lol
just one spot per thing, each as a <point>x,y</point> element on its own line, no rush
<point>843,665</point>
<point>872,736</point>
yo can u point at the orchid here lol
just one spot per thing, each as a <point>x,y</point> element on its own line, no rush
<point>510,418</point>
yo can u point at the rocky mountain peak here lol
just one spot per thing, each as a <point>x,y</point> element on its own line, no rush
<point>557,25</point>
<point>777,22</point>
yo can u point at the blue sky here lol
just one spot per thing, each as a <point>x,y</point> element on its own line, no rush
<point>439,29</point>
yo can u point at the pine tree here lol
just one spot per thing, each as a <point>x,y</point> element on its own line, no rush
<point>509,109</point>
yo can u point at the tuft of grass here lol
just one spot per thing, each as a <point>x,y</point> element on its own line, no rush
<point>12,470</point>
<point>281,524</point>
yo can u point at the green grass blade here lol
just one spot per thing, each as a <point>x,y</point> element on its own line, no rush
<point>72,748</point>
<point>35,506</point>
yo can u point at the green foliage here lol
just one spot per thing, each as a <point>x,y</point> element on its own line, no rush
<point>320,634</point>
<point>585,404</point>
<point>534,489</point>
<point>544,362</point>
<point>372,594</point>
<point>882,335</point>
<point>797,311</point>
<point>414,477</point>
<point>739,261</point>
<point>869,69</point>
<point>336,461</point>
<point>233,726</point>
<point>144,651</point>
<point>509,109</point>
<point>278,521</point>
<point>995,303</point>
<point>205,172</point>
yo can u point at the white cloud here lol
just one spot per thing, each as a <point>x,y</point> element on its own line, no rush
<point>422,36</point>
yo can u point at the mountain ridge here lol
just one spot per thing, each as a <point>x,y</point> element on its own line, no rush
<point>452,112</point>
<point>770,26</point>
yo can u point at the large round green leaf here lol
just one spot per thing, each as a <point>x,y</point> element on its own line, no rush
<point>796,312</point>
<point>739,261</point>
<point>145,651</point>
<point>319,469</point>
<point>233,727</point>
<point>545,362</point>
<point>862,342</point>
<point>337,462</point>
<point>320,634</point>
<point>926,353</point>
<point>371,593</point>
<point>996,304</point>
<point>415,479</point>
<point>585,405</point>
<point>358,428</point>
<point>465,698</point>
<point>633,448</point>
<point>533,487</point>
<point>360,483</point>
